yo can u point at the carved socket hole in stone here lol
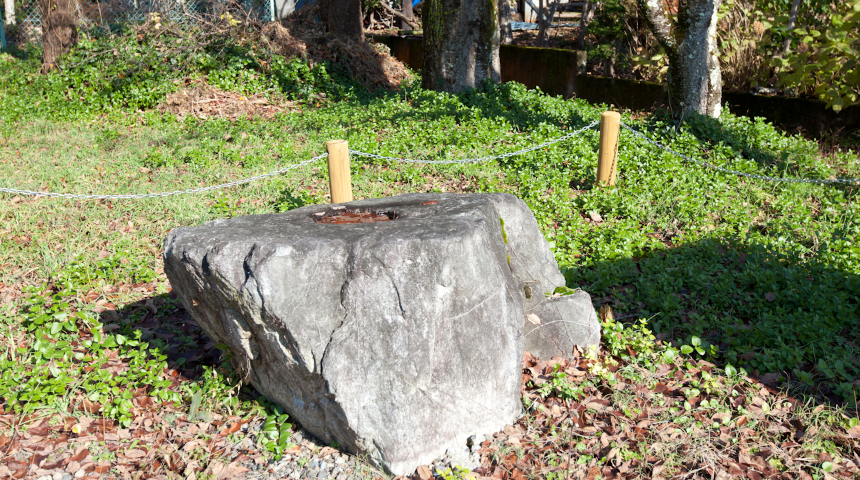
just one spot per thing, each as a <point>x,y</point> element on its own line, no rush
<point>343,215</point>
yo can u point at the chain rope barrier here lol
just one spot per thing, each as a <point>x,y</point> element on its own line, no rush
<point>164,194</point>
<point>479,159</point>
<point>428,162</point>
<point>736,172</point>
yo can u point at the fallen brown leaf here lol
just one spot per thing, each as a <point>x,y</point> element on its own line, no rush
<point>424,472</point>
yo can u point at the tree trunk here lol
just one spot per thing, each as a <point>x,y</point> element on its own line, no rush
<point>587,12</point>
<point>461,44</point>
<point>695,83</point>
<point>407,12</point>
<point>9,15</point>
<point>545,22</point>
<point>609,67</point>
<point>792,19</point>
<point>343,19</point>
<point>505,33</point>
<point>59,29</point>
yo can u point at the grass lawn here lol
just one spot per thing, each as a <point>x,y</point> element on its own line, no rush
<point>733,342</point>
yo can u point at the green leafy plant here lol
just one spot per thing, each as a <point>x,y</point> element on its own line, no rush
<point>560,386</point>
<point>275,433</point>
<point>609,29</point>
<point>827,63</point>
<point>617,338</point>
<point>65,361</point>
<point>459,473</point>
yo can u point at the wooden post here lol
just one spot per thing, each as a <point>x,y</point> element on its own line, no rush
<point>338,171</point>
<point>607,156</point>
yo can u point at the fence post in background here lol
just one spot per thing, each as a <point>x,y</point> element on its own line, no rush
<point>2,31</point>
<point>338,171</point>
<point>607,156</point>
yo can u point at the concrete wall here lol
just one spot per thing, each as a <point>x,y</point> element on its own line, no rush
<point>562,72</point>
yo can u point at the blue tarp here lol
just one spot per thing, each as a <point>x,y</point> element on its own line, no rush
<point>534,26</point>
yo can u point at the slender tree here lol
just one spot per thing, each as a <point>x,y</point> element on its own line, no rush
<point>588,9</point>
<point>59,29</point>
<point>545,16</point>
<point>792,19</point>
<point>695,83</point>
<point>461,44</point>
<point>9,15</point>
<point>506,35</point>
<point>407,12</point>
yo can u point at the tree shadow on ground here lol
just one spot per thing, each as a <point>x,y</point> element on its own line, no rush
<point>753,140</point>
<point>793,323</point>
<point>169,330</point>
<point>507,101</point>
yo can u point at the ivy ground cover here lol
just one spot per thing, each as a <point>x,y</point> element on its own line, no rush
<point>758,281</point>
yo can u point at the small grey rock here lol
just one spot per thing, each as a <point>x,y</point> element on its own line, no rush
<point>314,464</point>
<point>462,457</point>
<point>322,475</point>
<point>474,442</point>
<point>341,476</point>
<point>67,476</point>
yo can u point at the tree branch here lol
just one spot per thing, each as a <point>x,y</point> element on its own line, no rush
<point>412,23</point>
<point>657,16</point>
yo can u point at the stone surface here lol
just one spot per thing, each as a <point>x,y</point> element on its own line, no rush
<point>396,339</point>
<point>563,321</point>
<point>559,322</point>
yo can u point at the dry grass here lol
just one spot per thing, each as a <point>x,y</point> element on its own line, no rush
<point>201,100</point>
<point>743,42</point>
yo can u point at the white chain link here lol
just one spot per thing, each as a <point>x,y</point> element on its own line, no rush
<point>164,194</point>
<point>479,159</point>
<point>437,162</point>
<point>735,172</point>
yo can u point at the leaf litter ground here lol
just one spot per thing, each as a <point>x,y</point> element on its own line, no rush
<point>624,417</point>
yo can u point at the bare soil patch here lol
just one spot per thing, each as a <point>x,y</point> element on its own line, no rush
<point>201,100</point>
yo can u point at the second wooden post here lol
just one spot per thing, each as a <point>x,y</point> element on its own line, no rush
<point>607,156</point>
<point>339,178</point>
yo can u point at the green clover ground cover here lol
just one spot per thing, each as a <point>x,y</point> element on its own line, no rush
<point>763,275</point>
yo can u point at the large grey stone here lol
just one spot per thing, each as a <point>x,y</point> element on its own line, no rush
<point>396,339</point>
<point>554,324</point>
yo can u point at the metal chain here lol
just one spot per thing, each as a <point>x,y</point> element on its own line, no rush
<point>164,194</point>
<point>479,159</point>
<point>735,172</point>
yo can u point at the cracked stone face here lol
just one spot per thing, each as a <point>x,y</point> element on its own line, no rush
<point>398,339</point>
